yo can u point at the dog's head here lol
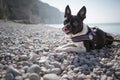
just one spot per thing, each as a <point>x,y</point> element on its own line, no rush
<point>73,24</point>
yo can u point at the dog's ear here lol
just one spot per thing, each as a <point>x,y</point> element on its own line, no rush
<point>82,13</point>
<point>67,11</point>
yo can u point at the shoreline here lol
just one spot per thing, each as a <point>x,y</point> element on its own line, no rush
<point>26,53</point>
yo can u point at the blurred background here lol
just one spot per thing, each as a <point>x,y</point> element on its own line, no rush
<point>101,13</point>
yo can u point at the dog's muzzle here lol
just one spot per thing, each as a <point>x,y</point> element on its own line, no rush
<point>66,30</point>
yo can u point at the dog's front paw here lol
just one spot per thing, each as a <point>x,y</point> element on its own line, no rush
<point>67,49</point>
<point>58,50</point>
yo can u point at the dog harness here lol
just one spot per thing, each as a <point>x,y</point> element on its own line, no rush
<point>89,39</point>
<point>89,36</point>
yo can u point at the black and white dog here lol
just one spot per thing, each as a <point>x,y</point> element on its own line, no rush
<point>83,37</point>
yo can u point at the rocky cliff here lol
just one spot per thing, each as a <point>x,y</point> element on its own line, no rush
<point>33,11</point>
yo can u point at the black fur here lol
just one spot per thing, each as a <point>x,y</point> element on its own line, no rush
<point>74,25</point>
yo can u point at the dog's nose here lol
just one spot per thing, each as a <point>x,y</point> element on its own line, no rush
<point>64,28</point>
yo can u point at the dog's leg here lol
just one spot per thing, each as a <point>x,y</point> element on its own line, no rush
<point>59,49</point>
<point>71,48</point>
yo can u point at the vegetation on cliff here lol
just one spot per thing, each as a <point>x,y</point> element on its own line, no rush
<point>31,11</point>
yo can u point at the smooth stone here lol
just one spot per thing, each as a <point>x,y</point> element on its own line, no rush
<point>34,76</point>
<point>76,70</point>
<point>18,78</point>
<point>1,66</point>
<point>117,73</point>
<point>110,78</point>
<point>25,68</point>
<point>81,77</point>
<point>13,71</point>
<point>33,57</point>
<point>109,64</point>
<point>3,62</point>
<point>23,57</point>
<point>26,63</point>
<point>71,73</point>
<point>50,77</point>
<point>43,68</point>
<point>9,76</point>
<point>56,64</point>
<point>109,73</point>
<point>45,53</point>
<point>43,60</point>
<point>8,56</point>
<point>46,49</point>
<point>56,71</point>
<point>71,67</point>
<point>101,54</point>
<point>50,66</point>
<point>65,77</point>
<point>85,67</point>
<point>103,77</point>
<point>34,69</point>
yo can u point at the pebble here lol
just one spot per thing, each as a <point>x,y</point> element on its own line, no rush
<point>56,71</point>
<point>56,64</point>
<point>103,77</point>
<point>18,78</point>
<point>76,70</point>
<point>50,77</point>
<point>12,71</point>
<point>117,74</point>
<point>9,76</point>
<point>7,56</point>
<point>1,66</point>
<point>81,77</point>
<point>33,57</point>
<point>23,57</point>
<point>28,50</point>
<point>46,49</point>
<point>25,68</point>
<point>109,64</point>
<point>34,69</point>
<point>34,76</point>
<point>65,77</point>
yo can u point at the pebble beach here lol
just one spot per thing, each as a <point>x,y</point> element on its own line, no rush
<point>27,53</point>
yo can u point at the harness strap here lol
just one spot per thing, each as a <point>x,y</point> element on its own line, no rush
<point>89,39</point>
<point>90,36</point>
<point>82,38</point>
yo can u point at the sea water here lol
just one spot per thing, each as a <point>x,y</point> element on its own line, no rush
<point>113,28</point>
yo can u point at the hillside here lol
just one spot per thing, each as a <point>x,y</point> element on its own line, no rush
<point>33,11</point>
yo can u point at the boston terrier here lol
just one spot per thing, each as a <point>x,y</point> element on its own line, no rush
<point>83,37</point>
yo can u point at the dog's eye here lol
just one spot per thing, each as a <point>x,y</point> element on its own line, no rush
<point>65,22</point>
<point>75,23</point>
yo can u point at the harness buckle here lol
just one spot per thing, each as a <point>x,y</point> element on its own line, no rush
<point>90,36</point>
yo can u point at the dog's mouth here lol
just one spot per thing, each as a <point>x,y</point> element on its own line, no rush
<point>66,30</point>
